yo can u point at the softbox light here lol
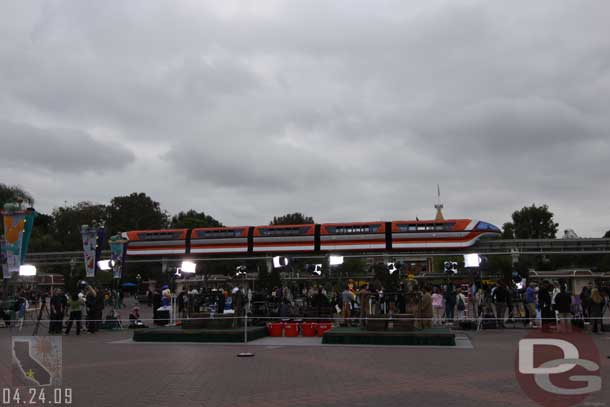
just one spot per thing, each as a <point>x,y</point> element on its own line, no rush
<point>335,260</point>
<point>27,270</point>
<point>105,265</point>
<point>280,261</point>
<point>472,260</point>
<point>188,267</point>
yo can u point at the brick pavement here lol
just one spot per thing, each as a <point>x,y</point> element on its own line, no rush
<point>133,374</point>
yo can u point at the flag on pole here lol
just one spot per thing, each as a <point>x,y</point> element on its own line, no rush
<point>14,225</point>
<point>117,255</point>
<point>30,216</point>
<point>89,235</point>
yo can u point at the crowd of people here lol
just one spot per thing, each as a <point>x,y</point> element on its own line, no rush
<point>62,310</point>
<point>539,304</point>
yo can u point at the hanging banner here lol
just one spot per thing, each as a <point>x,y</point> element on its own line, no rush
<point>117,255</point>
<point>89,234</point>
<point>101,233</point>
<point>3,264</point>
<point>14,224</point>
<point>30,216</point>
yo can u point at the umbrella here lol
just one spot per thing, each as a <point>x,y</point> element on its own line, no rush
<point>129,285</point>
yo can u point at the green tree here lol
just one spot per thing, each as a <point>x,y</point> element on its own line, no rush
<point>607,235</point>
<point>389,282</point>
<point>136,211</point>
<point>534,222</point>
<point>508,231</point>
<point>193,219</point>
<point>296,218</point>
<point>43,235</point>
<point>13,193</point>
<point>69,219</point>
<point>352,267</point>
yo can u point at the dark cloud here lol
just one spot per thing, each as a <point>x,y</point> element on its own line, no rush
<point>58,150</point>
<point>343,110</point>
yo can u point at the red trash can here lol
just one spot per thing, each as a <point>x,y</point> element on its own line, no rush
<point>323,327</point>
<point>308,328</point>
<point>291,329</point>
<point>275,328</point>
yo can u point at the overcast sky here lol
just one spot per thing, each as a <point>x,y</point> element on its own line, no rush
<point>343,110</point>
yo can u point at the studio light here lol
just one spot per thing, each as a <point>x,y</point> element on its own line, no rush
<point>472,260</point>
<point>317,269</point>
<point>188,267</point>
<point>392,268</point>
<point>105,265</point>
<point>335,260</point>
<point>241,270</point>
<point>27,270</point>
<point>280,261</point>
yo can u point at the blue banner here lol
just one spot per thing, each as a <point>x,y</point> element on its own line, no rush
<point>30,216</point>
<point>117,255</point>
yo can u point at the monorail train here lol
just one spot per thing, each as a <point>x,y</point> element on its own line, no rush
<point>326,237</point>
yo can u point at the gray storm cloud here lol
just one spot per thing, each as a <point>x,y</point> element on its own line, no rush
<point>344,110</point>
<point>58,150</point>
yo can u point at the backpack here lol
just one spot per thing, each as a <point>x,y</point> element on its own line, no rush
<point>460,305</point>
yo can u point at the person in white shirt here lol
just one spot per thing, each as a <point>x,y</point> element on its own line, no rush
<point>460,304</point>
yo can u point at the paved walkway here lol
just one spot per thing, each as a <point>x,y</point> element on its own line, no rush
<point>109,369</point>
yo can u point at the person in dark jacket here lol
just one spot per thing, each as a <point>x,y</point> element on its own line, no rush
<point>90,301</point>
<point>450,301</point>
<point>501,301</point>
<point>57,312</point>
<point>596,310</point>
<point>544,301</point>
<point>563,303</point>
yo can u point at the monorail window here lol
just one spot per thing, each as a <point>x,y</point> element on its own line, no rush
<point>159,236</point>
<point>426,227</point>
<point>285,231</point>
<point>219,234</point>
<point>352,229</point>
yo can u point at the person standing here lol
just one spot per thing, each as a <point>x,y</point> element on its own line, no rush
<point>74,308</point>
<point>450,299</point>
<point>437,307</point>
<point>501,299</point>
<point>365,308</point>
<point>57,305</point>
<point>347,296</point>
<point>90,303</point>
<point>460,304</point>
<point>546,310</point>
<point>596,310</point>
<point>530,303</point>
<point>563,303</point>
<point>426,309</point>
<point>585,301</point>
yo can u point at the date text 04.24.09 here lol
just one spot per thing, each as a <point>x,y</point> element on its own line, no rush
<point>36,396</point>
